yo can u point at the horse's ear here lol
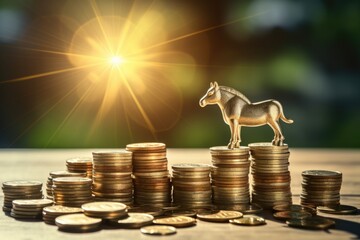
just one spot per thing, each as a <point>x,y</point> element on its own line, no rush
<point>211,84</point>
<point>216,84</point>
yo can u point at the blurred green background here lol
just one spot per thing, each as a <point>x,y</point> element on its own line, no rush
<point>305,54</point>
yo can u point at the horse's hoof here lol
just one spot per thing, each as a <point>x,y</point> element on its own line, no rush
<point>237,145</point>
<point>230,146</point>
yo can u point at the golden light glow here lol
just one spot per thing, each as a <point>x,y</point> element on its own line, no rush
<point>127,62</point>
<point>116,60</point>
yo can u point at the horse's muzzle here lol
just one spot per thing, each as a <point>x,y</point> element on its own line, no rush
<point>202,102</point>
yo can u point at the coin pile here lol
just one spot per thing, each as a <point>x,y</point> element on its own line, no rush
<point>271,176</point>
<point>20,189</point>
<point>52,212</point>
<point>151,176</point>
<point>112,176</point>
<point>321,188</point>
<point>105,210</point>
<point>72,191</point>
<point>192,187</point>
<point>230,176</point>
<point>56,174</point>
<point>29,209</point>
<point>80,165</point>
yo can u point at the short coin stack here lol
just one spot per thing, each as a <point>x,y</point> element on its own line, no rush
<point>56,174</point>
<point>80,165</point>
<point>321,188</point>
<point>192,187</point>
<point>271,176</point>
<point>72,191</point>
<point>20,189</point>
<point>29,209</point>
<point>105,210</point>
<point>52,212</point>
<point>230,176</point>
<point>77,222</point>
<point>112,176</point>
<point>151,175</point>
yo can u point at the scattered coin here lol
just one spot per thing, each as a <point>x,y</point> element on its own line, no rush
<point>248,221</point>
<point>221,216</point>
<point>243,208</point>
<point>105,210</point>
<point>286,215</point>
<point>50,213</point>
<point>294,208</point>
<point>339,210</point>
<point>77,222</point>
<point>158,230</point>
<point>311,223</point>
<point>154,211</point>
<point>135,220</point>
<point>179,221</point>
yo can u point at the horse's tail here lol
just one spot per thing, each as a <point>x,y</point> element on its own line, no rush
<point>282,116</point>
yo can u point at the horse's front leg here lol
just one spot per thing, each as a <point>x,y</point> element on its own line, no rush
<point>238,139</point>
<point>233,131</point>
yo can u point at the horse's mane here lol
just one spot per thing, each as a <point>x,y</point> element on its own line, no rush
<point>235,92</point>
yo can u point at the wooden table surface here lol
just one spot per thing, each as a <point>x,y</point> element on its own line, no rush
<point>36,164</point>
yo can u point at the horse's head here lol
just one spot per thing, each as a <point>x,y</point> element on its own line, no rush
<point>212,95</point>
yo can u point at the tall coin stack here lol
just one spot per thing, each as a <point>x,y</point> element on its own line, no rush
<point>80,165</point>
<point>56,174</point>
<point>112,176</point>
<point>72,191</point>
<point>321,188</point>
<point>230,176</point>
<point>20,189</point>
<point>271,176</point>
<point>191,185</point>
<point>151,175</point>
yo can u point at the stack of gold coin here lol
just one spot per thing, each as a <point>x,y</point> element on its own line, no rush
<point>151,175</point>
<point>80,165</point>
<point>230,176</point>
<point>112,176</point>
<point>29,209</point>
<point>271,176</point>
<point>72,191</point>
<point>321,188</point>
<point>105,210</point>
<point>52,212</point>
<point>56,174</point>
<point>20,189</point>
<point>192,187</point>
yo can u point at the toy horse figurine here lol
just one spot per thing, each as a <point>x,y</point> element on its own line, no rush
<point>238,111</point>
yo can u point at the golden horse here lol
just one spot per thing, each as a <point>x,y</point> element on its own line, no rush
<point>237,111</point>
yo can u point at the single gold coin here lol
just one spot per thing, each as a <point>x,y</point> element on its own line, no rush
<point>339,210</point>
<point>77,221</point>
<point>319,223</point>
<point>286,215</point>
<point>158,230</point>
<point>248,221</point>
<point>32,203</point>
<point>58,209</point>
<point>178,221</point>
<point>151,146</point>
<point>135,220</point>
<point>104,207</point>
<point>220,216</point>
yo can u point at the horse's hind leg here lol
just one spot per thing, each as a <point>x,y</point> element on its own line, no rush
<point>278,136</point>
<point>234,133</point>
<point>238,139</point>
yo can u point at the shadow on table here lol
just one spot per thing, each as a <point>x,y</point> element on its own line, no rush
<point>347,226</point>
